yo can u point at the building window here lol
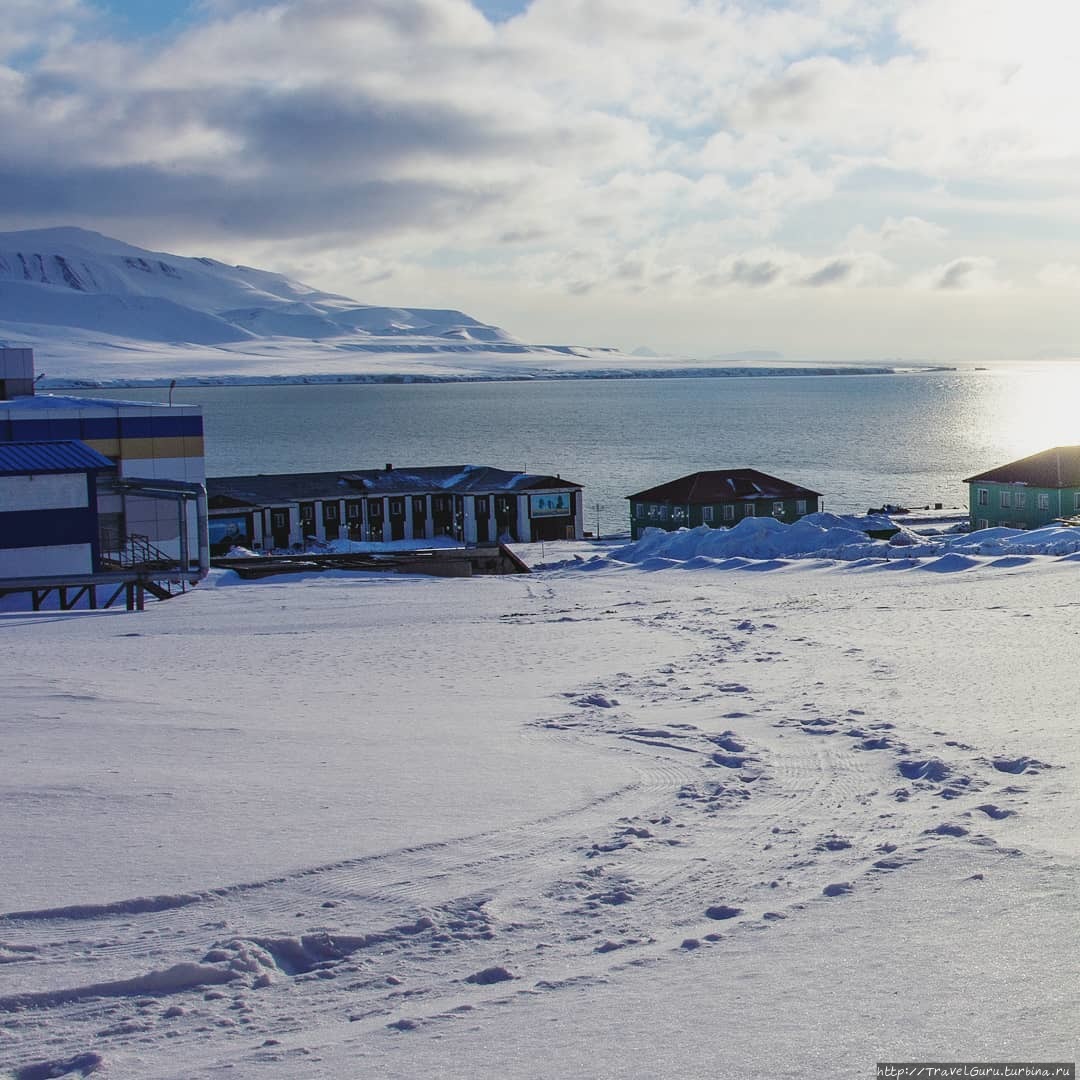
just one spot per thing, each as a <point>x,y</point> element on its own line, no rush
<point>983,497</point>
<point>1005,499</point>
<point>1020,499</point>
<point>982,523</point>
<point>729,512</point>
<point>800,506</point>
<point>1044,500</point>
<point>678,513</point>
<point>654,510</point>
<point>481,506</point>
<point>1076,500</point>
<point>707,513</point>
<point>330,511</point>
<point>778,509</point>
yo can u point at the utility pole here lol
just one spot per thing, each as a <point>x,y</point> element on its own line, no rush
<point>597,521</point>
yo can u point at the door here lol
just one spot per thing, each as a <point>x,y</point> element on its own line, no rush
<point>375,520</point>
<point>307,521</point>
<point>482,510</point>
<point>280,527</point>
<point>506,516</point>
<point>354,517</point>
<point>419,516</point>
<point>397,518</point>
<point>331,516</point>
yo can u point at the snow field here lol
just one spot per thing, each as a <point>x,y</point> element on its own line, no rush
<point>723,824</point>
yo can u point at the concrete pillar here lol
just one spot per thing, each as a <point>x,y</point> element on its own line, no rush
<point>524,529</point>
<point>468,522</point>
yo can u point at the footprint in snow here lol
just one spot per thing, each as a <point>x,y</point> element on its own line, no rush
<point>838,888</point>
<point>1019,765</point>
<point>722,911</point>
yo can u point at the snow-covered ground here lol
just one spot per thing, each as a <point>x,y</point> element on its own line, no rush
<point>768,818</point>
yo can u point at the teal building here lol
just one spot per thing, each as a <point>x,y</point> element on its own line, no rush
<point>1027,493</point>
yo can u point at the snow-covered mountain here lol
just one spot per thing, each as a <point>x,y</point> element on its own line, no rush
<point>80,279</point>
<point>98,311</point>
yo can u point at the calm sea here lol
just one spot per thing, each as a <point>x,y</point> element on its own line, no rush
<point>861,440</point>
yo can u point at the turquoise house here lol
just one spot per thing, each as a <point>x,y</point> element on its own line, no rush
<point>1028,493</point>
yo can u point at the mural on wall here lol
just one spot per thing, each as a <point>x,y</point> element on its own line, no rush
<point>555,505</point>
<point>228,532</point>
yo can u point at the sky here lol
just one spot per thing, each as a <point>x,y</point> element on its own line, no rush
<point>824,179</point>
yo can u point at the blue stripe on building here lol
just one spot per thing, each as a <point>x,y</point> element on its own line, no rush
<point>100,427</point>
<point>48,528</point>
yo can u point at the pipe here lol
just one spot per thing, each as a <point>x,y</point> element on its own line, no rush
<point>183,491</point>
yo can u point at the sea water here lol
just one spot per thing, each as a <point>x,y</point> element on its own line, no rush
<point>859,440</point>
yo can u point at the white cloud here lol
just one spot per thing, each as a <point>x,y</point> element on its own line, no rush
<point>589,146</point>
<point>899,233</point>
<point>967,273</point>
<point>1059,275</point>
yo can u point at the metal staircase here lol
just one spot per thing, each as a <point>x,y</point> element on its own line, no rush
<point>160,574</point>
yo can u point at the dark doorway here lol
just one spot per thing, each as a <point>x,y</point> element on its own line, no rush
<point>279,528</point>
<point>375,520</point>
<point>482,510</point>
<point>506,516</point>
<point>331,516</point>
<point>442,515</point>
<point>307,521</point>
<point>397,518</point>
<point>419,516</point>
<point>354,519</point>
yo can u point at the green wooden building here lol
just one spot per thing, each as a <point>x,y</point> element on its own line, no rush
<point>1028,493</point>
<point>718,498</point>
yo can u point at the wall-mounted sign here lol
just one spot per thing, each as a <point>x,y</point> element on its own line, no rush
<point>554,505</point>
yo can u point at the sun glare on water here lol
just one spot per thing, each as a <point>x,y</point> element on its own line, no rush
<point>1034,410</point>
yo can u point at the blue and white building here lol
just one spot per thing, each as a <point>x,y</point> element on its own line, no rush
<point>48,509</point>
<point>143,485</point>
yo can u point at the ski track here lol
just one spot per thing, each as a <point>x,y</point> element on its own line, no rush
<point>717,837</point>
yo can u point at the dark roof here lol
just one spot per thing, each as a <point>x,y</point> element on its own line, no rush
<point>298,487</point>
<point>54,456</point>
<point>1055,468</point>
<point>723,485</point>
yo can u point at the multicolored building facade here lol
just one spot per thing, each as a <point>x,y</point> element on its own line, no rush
<point>155,450</point>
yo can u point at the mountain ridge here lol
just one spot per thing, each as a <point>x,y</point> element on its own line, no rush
<point>67,276</point>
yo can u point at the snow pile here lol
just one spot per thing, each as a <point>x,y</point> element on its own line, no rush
<point>360,547</point>
<point>827,536</point>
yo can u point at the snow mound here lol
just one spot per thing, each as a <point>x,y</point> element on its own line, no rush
<point>763,543</point>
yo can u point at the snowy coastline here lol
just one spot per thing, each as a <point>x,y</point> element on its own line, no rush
<point>534,375</point>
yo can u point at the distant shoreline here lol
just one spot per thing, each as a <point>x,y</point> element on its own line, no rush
<point>152,382</point>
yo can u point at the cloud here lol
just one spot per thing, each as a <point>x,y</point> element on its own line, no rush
<point>686,148</point>
<point>895,233</point>
<point>834,272</point>
<point>755,272</point>
<point>1059,275</point>
<point>969,272</point>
